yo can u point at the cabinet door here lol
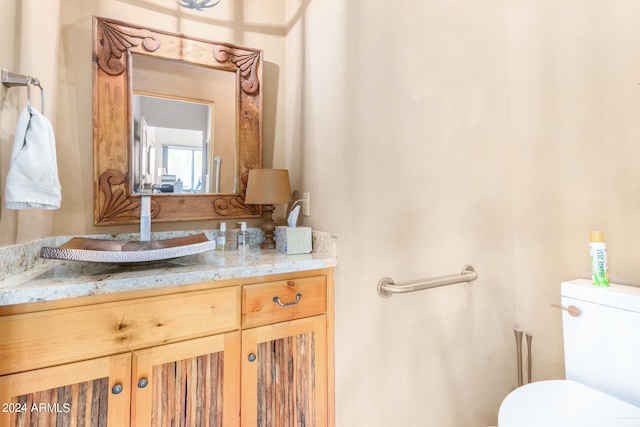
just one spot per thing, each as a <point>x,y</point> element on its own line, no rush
<point>94,393</point>
<point>192,383</point>
<point>284,374</point>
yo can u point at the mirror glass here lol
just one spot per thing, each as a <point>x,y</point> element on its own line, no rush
<point>183,128</point>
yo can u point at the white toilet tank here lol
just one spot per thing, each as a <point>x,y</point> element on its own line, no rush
<point>602,345</point>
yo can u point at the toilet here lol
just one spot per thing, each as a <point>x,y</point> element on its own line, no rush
<point>602,365</point>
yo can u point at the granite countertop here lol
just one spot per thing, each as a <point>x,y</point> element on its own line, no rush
<point>28,278</point>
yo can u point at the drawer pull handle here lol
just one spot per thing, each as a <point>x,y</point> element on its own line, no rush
<point>251,358</point>
<point>276,299</point>
<point>143,383</point>
<point>117,389</point>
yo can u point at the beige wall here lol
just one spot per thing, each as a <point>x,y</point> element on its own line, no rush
<point>24,50</point>
<point>434,134</point>
<point>403,122</point>
<point>52,41</point>
<point>574,69</point>
<point>8,117</point>
<point>430,134</point>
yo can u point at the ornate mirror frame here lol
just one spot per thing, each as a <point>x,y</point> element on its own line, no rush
<point>113,44</point>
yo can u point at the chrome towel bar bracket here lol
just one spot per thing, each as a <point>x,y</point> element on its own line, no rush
<point>387,287</point>
<point>10,79</point>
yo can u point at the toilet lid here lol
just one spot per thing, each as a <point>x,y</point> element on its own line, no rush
<point>565,403</point>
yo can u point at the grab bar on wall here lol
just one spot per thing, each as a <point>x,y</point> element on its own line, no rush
<point>10,79</point>
<point>387,287</point>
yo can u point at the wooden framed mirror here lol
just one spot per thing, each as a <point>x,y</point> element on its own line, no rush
<point>117,153</point>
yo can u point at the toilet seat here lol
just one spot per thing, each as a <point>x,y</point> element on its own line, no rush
<point>565,403</point>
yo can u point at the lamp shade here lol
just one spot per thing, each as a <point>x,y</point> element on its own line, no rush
<point>268,187</point>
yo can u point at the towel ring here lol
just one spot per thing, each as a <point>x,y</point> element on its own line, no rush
<point>37,83</point>
<point>30,81</point>
<point>29,94</point>
<point>10,79</point>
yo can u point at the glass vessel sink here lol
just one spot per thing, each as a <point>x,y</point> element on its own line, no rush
<point>97,250</point>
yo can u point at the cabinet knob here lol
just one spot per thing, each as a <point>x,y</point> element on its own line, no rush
<point>116,389</point>
<point>143,383</point>
<point>252,357</point>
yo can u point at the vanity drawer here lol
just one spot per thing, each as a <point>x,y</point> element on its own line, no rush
<point>278,301</point>
<point>34,340</point>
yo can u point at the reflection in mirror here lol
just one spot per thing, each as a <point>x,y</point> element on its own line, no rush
<point>183,128</point>
<point>171,140</point>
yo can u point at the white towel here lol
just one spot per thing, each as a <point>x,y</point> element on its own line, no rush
<point>32,181</point>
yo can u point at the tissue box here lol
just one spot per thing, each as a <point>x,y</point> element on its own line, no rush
<point>293,240</point>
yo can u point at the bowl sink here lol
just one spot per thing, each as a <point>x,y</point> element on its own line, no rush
<point>97,250</point>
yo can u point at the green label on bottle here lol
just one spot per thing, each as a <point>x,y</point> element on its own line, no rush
<point>599,270</point>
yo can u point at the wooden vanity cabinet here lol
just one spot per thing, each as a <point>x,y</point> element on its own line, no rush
<point>190,383</point>
<point>284,364</point>
<point>284,374</point>
<point>175,356</point>
<point>91,393</point>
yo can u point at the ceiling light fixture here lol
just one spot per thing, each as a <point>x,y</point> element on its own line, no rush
<point>197,4</point>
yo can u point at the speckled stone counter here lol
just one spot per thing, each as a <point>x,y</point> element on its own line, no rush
<point>25,278</point>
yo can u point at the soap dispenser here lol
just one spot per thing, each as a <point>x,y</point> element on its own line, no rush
<point>221,237</point>
<point>243,237</point>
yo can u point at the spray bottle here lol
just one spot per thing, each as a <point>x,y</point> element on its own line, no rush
<point>599,267</point>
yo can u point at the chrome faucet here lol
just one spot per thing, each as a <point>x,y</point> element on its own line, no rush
<point>145,215</point>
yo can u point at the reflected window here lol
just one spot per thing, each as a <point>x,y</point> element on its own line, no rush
<point>186,164</point>
<point>172,140</point>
